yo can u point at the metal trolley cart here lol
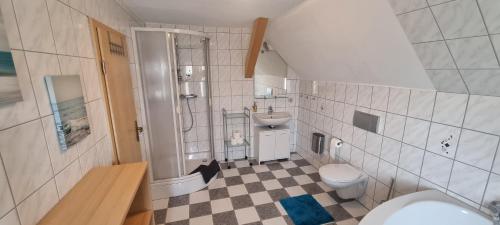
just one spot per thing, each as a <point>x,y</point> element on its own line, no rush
<point>245,115</point>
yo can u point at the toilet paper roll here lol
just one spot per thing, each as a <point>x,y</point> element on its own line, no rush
<point>335,144</point>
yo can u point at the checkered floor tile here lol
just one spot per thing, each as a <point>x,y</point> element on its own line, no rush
<point>250,195</point>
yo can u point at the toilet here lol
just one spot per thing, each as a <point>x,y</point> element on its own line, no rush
<point>348,181</point>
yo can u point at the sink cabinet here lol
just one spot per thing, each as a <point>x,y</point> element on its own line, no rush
<point>272,144</point>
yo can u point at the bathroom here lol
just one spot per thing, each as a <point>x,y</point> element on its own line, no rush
<point>249,112</point>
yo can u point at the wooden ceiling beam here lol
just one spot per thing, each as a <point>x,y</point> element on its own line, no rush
<point>259,29</point>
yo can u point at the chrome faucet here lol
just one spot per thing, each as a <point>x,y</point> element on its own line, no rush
<point>270,110</point>
<point>494,207</point>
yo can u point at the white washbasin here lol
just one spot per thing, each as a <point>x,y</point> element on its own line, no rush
<point>273,119</point>
<point>435,213</point>
<point>426,207</point>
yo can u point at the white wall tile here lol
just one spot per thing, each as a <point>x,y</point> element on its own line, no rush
<point>492,193</point>
<point>365,96</point>
<point>482,114</point>
<point>468,181</point>
<point>390,150</point>
<point>421,104</point>
<point>34,25</point>
<point>6,201</point>
<point>406,182</point>
<point>402,6</point>
<point>10,219</point>
<point>340,92</point>
<point>411,159</point>
<point>482,82</point>
<point>398,101</point>
<point>38,204</point>
<point>373,143</point>
<point>68,178</point>
<point>381,192</point>
<point>477,149</point>
<point>459,19</point>
<point>394,126</point>
<point>359,138</point>
<point>447,81</point>
<point>10,24</point>
<point>26,160</point>
<point>386,172</point>
<point>441,134</point>
<point>473,53</point>
<point>436,169</point>
<point>351,94</point>
<point>491,14</point>
<point>434,55</point>
<point>420,26</point>
<point>370,165</point>
<point>62,28</point>
<point>416,132</point>
<point>380,98</point>
<point>450,108</point>
<point>348,113</point>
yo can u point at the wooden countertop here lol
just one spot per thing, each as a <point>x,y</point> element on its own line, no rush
<point>103,197</point>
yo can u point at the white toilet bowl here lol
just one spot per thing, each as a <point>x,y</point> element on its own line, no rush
<point>347,181</point>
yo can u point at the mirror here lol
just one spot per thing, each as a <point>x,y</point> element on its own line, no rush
<point>270,73</point>
<point>9,88</point>
<point>67,103</point>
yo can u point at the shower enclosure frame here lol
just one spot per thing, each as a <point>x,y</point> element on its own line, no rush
<point>146,153</point>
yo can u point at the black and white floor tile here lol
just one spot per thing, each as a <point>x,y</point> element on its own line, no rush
<point>250,195</point>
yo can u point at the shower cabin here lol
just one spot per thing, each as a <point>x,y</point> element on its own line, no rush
<point>174,85</point>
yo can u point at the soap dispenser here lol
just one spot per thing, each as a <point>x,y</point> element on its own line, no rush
<point>254,107</point>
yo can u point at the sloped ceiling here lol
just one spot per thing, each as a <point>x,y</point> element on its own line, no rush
<point>458,42</point>
<point>349,41</point>
<point>208,12</point>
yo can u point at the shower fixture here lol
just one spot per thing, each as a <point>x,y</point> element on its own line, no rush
<point>187,97</point>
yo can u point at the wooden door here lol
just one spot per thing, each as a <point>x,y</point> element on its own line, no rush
<point>112,56</point>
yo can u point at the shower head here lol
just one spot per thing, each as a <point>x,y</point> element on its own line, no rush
<point>188,96</point>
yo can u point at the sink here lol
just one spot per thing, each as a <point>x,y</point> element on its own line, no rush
<point>272,120</point>
<point>435,213</point>
<point>430,207</point>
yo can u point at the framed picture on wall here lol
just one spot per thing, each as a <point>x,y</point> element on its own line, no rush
<point>67,103</point>
<point>9,88</point>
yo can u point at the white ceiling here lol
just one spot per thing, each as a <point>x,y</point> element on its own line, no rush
<point>208,12</point>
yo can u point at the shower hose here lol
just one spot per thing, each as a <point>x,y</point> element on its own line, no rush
<point>191,114</point>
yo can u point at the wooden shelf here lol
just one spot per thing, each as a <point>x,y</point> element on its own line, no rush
<point>105,196</point>
<point>143,218</point>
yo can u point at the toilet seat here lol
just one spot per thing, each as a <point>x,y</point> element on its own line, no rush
<point>339,173</point>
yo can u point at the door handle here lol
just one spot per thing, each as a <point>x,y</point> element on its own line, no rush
<point>138,130</point>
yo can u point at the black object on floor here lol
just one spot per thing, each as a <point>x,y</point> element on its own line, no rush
<point>208,171</point>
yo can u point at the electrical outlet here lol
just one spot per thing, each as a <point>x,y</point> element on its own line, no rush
<point>446,144</point>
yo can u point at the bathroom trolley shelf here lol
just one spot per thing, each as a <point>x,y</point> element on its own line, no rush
<point>112,195</point>
<point>245,116</point>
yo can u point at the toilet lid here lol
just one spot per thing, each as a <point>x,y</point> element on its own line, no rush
<point>339,172</point>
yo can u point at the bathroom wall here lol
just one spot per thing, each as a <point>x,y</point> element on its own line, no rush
<point>409,147</point>
<point>50,37</point>
<point>456,42</point>
<point>230,89</point>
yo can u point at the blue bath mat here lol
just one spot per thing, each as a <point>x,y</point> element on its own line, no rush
<point>305,210</point>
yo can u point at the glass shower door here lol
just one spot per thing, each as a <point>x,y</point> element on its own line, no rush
<point>156,51</point>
